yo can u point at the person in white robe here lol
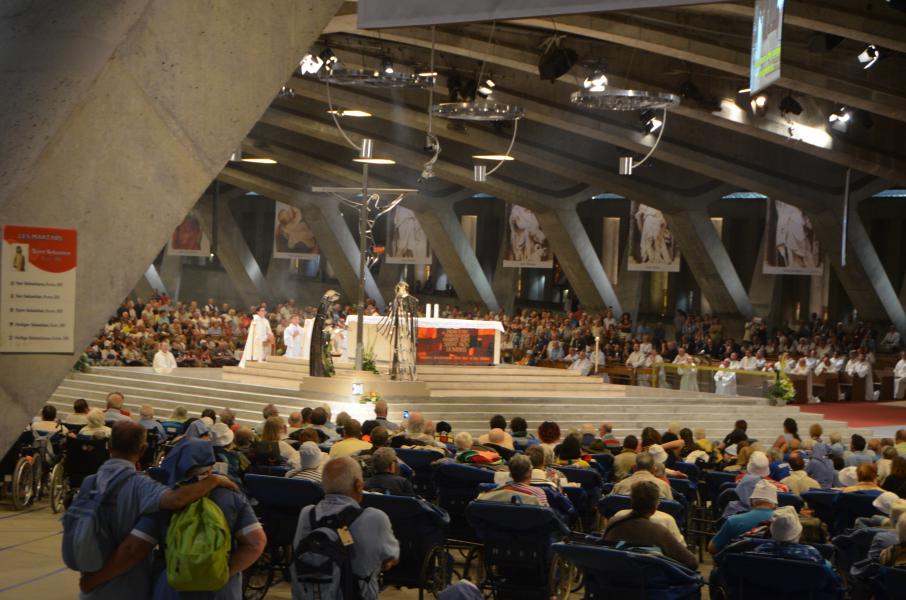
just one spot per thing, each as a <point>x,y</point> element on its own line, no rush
<point>293,336</point>
<point>859,367</point>
<point>725,379</point>
<point>581,364</point>
<point>839,362</point>
<point>748,362</point>
<point>655,358</point>
<point>735,363</point>
<point>686,370</point>
<point>636,361</point>
<point>899,378</point>
<point>891,340</point>
<point>802,368</point>
<point>164,361</point>
<point>826,367</point>
<point>257,344</point>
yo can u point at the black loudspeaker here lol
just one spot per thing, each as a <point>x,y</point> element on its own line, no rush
<point>556,62</point>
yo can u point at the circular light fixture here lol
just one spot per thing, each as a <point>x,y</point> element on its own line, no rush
<point>478,111</point>
<point>349,113</point>
<point>615,99</point>
<point>493,157</point>
<point>374,78</point>
<point>374,161</point>
<point>596,82</point>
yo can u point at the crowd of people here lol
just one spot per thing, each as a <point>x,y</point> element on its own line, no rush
<point>211,454</point>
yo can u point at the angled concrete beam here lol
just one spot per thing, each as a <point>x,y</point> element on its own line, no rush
<point>132,108</point>
<point>171,274</point>
<point>709,262</point>
<point>763,288</point>
<point>152,278</point>
<point>232,251</point>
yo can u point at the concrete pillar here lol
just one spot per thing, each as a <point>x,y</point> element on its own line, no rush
<point>709,262</point>
<point>763,289</point>
<point>232,251</point>
<point>819,292</point>
<point>452,248</point>
<point>153,281</point>
<point>171,274</point>
<point>132,109</point>
<point>388,277</point>
<point>504,281</point>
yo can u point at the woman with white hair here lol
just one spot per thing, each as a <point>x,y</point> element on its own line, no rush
<point>96,428</point>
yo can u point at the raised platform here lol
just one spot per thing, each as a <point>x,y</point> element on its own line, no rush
<point>466,397</point>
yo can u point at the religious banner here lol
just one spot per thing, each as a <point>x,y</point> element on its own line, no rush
<point>293,238</point>
<point>188,240</point>
<point>792,246</point>
<point>526,245</point>
<point>651,245</point>
<point>767,27</point>
<point>407,243</point>
<point>437,346</point>
<point>38,290</point>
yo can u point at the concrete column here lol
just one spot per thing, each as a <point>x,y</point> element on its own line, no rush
<point>388,277</point>
<point>504,282</point>
<point>453,250</point>
<point>710,264</point>
<point>819,291</point>
<point>171,274</point>
<point>763,289</point>
<point>232,251</point>
<point>132,108</point>
<point>152,279</point>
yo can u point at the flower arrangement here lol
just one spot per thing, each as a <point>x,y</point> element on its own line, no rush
<point>781,392</point>
<point>371,397</point>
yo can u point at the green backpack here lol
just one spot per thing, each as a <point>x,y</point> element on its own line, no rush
<point>198,548</point>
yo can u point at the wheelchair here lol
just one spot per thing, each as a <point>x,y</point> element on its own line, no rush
<point>81,457</point>
<point>277,501</point>
<point>29,465</point>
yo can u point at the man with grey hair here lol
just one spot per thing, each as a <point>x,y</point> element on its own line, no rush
<point>147,420</point>
<point>380,415</point>
<point>295,422</point>
<point>114,411</point>
<point>268,411</point>
<point>386,478</point>
<point>373,546</point>
<point>520,486</point>
<point>644,471</point>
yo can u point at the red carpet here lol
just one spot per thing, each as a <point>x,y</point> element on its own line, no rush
<point>860,414</point>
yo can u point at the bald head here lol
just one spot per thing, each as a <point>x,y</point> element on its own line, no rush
<point>380,409</point>
<point>343,476</point>
<point>416,423</point>
<point>115,400</point>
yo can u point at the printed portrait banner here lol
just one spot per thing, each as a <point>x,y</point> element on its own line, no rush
<point>438,346</point>
<point>767,29</point>
<point>188,239</point>
<point>792,247</point>
<point>38,290</point>
<point>526,245</point>
<point>651,245</point>
<point>407,243</point>
<point>293,238</point>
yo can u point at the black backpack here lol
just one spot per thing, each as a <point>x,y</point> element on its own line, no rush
<point>323,557</point>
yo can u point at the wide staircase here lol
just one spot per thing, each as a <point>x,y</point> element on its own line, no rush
<point>464,396</point>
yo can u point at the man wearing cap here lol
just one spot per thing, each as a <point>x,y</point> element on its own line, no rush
<point>644,471</point>
<point>310,460</point>
<point>757,470</point>
<point>763,501</point>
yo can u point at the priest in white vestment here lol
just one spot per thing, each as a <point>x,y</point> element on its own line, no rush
<point>257,344</point>
<point>164,361</point>
<point>826,367</point>
<point>899,378</point>
<point>725,380</point>
<point>748,362</point>
<point>859,367</point>
<point>686,370</point>
<point>292,338</point>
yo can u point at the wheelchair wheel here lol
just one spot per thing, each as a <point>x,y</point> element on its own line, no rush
<point>257,579</point>
<point>561,578</point>
<point>435,573</point>
<point>57,488</point>
<point>23,483</point>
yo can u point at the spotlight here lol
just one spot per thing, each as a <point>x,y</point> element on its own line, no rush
<point>286,92</point>
<point>869,56</point>
<point>743,91</point>
<point>556,62</point>
<point>310,64</point>
<point>329,60</point>
<point>840,116</point>
<point>349,113</point>
<point>387,65</point>
<point>790,105</point>
<point>759,104</point>
<point>650,122</point>
<point>486,88</point>
<point>426,72</point>
<point>596,82</point>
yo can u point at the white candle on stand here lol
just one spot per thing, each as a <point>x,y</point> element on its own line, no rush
<point>427,311</point>
<point>437,311</point>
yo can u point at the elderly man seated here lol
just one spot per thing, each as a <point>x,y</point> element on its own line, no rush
<point>798,480</point>
<point>520,486</point>
<point>352,441</point>
<point>386,478</point>
<point>638,527</point>
<point>763,502</point>
<point>373,546</point>
<point>644,471</point>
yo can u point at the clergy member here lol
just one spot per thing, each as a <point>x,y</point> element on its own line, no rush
<point>859,367</point>
<point>292,338</point>
<point>725,380</point>
<point>899,378</point>
<point>164,361</point>
<point>260,336</point>
<point>685,368</point>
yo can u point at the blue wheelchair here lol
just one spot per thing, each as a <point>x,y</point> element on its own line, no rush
<point>422,464</point>
<point>277,502</point>
<point>756,576</point>
<point>29,467</point>
<point>420,527</point>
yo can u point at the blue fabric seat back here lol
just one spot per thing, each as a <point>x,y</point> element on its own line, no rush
<point>741,545</point>
<point>82,458</point>
<point>517,541</point>
<point>822,502</point>
<point>457,485</point>
<point>562,504</point>
<point>753,576</point>
<point>689,470</point>
<point>723,500</point>
<point>418,526</point>
<point>611,505</point>
<point>787,499</point>
<point>173,428</point>
<point>713,481</point>
<point>623,574</point>
<point>278,501</point>
<point>852,546</point>
<point>849,506</point>
<point>421,463</point>
<point>684,487</point>
<point>889,583</point>
<point>676,509</point>
<point>272,470</point>
<point>604,465</point>
<point>593,485</point>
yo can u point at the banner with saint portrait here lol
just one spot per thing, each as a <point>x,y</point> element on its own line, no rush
<point>525,243</point>
<point>188,240</point>
<point>293,238</point>
<point>407,243</point>
<point>792,246</point>
<point>651,245</point>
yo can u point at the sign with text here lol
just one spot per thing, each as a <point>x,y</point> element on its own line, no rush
<point>38,287</point>
<point>767,27</point>
<point>455,346</point>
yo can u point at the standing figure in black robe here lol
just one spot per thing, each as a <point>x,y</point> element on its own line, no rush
<point>400,325</point>
<point>320,363</point>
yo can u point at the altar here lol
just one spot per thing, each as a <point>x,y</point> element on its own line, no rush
<point>440,341</point>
